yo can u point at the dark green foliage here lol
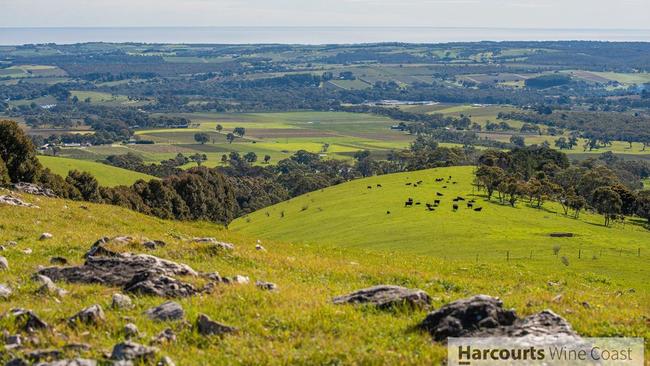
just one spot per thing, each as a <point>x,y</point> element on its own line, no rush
<point>4,173</point>
<point>18,153</point>
<point>607,202</point>
<point>160,199</point>
<point>86,184</point>
<point>548,81</point>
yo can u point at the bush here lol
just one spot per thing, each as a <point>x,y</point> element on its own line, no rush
<point>4,173</point>
<point>18,153</point>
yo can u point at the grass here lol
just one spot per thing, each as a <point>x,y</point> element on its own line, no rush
<point>106,175</point>
<point>298,324</point>
<point>351,215</point>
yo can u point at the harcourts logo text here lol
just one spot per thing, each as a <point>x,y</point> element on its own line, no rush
<point>549,350</point>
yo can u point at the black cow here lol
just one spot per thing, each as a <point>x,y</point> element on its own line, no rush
<point>460,198</point>
<point>444,186</point>
<point>478,209</point>
<point>436,202</point>
<point>439,194</point>
<point>408,204</point>
<point>454,182</point>
<point>455,207</point>
<point>470,205</point>
<point>455,200</point>
<point>419,182</point>
<point>439,179</point>
<point>408,184</point>
<point>369,187</point>
<point>378,185</point>
<point>417,203</point>
<point>387,212</point>
<point>431,209</point>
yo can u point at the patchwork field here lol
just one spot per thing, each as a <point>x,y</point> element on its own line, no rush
<point>106,175</point>
<point>352,215</point>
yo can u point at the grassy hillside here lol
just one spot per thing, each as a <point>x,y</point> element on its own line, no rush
<point>106,175</point>
<point>298,324</point>
<point>351,215</point>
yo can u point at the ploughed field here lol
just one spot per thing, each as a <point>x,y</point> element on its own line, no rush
<point>297,323</point>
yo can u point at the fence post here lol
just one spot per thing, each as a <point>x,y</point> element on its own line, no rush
<point>508,255</point>
<point>638,253</point>
<point>477,258</point>
<point>531,254</point>
<point>579,253</point>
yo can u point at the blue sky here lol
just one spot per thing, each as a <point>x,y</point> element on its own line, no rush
<point>620,14</point>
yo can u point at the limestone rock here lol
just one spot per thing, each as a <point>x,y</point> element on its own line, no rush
<point>238,279</point>
<point>71,362</point>
<point>131,330</point>
<point>5,291</point>
<point>90,315</point>
<point>14,201</point>
<point>166,336</point>
<point>268,286</point>
<point>156,284</point>
<point>45,236</point>
<point>58,261</point>
<point>28,321</point>
<point>48,287</point>
<point>4,264</point>
<point>167,311</point>
<point>215,242</point>
<point>386,296</point>
<point>207,327</point>
<point>165,361</point>
<point>130,351</point>
<point>33,189</point>
<point>483,316</point>
<point>121,301</point>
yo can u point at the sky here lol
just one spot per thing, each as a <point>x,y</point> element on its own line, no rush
<point>564,14</point>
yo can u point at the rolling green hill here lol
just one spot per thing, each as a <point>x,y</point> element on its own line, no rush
<point>298,324</point>
<point>351,215</point>
<point>106,175</point>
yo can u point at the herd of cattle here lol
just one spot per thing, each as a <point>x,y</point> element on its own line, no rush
<point>436,203</point>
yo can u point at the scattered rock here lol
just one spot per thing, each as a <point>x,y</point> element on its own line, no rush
<point>586,305</point>
<point>166,336</point>
<point>131,330</point>
<point>72,362</point>
<point>130,351</point>
<point>45,236</point>
<point>121,301</point>
<point>98,249</point>
<point>34,189</point>
<point>167,311</point>
<point>207,327</point>
<point>2,248</point>
<point>77,347</point>
<point>557,298</point>
<point>17,362</point>
<point>28,320</point>
<point>269,286</point>
<point>238,279</point>
<point>11,243</point>
<point>386,296</point>
<point>58,261</point>
<point>5,291</point>
<point>27,251</point>
<point>48,287</point>
<point>90,315</point>
<point>156,284</point>
<point>153,244</point>
<point>4,264</point>
<point>215,242</point>
<point>213,276</point>
<point>483,316</point>
<point>14,201</point>
<point>44,355</point>
<point>260,248</point>
<point>13,341</point>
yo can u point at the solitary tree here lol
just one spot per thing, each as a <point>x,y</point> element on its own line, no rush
<point>219,128</point>
<point>230,137</point>
<point>517,140</point>
<point>607,202</point>
<point>250,157</point>
<point>198,158</point>
<point>201,137</point>
<point>267,158</point>
<point>18,153</point>
<point>224,159</point>
<point>239,131</point>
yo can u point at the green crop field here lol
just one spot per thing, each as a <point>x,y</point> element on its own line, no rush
<point>298,324</point>
<point>106,175</point>
<point>351,215</point>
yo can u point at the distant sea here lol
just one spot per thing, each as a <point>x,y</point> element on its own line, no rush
<point>307,35</point>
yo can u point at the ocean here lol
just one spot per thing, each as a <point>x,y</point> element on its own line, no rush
<point>307,35</point>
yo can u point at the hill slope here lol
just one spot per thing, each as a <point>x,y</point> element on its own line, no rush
<point>351,215</point>
<point>107,175</point>
<point>297,324</point>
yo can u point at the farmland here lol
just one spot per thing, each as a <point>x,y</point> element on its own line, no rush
<point>352,215</point>
<point>106,175</point>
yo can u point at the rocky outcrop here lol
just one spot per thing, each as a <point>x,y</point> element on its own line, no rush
<point>483,316</point>
<point>121,301</point>
<point>14,201</point>
<point>4,264</point>
<point>34,189</point>
<point>386,296</point>
<point>27,320</point>
<point>5,291</point>
<point>156,284</point>
<point>268,286</point>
